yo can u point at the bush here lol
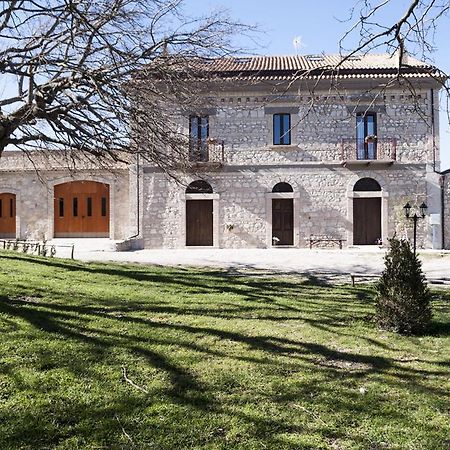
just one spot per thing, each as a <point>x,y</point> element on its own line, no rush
<point>403,298</point>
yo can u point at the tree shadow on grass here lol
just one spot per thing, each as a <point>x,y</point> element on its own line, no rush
<point>103,326</point>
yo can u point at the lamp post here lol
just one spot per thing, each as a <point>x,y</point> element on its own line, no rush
<point>423,210</point>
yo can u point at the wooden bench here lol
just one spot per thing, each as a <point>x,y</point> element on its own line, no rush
<point>439,281</point>
<point>319,239</point>
<point>354,276</point>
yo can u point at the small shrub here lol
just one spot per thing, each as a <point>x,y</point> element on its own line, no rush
<point>403,298</point>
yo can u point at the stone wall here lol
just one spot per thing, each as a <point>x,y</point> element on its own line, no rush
<point>322,204</point>
<point>34,193</point>
<point>312,165</point>
<point>320,125</point>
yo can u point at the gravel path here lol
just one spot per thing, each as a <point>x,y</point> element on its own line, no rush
<point>321,263</point>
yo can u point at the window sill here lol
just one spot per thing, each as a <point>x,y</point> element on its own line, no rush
<point>283,147</point>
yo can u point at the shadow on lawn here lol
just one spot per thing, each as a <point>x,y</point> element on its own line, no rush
<point>115,323</point>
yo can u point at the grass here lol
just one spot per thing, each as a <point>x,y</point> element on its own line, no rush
<point>132,357</point>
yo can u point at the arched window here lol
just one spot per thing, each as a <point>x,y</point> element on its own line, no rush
<point>367,185</point>
<point>199,187</point>
<point>282,187</point>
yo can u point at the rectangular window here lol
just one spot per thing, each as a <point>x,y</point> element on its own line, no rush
<point>282,129</point>
<point>198,137</point>
<point>11,207</point>
<point>366,135</point>
<point>103,206</point>
<point>75,207</point>
<point>89,207</point>
<point>61,207</point>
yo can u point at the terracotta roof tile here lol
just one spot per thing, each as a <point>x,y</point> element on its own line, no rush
<point>271,67</point>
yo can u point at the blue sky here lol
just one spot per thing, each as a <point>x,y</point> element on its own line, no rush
<point>319,26</point>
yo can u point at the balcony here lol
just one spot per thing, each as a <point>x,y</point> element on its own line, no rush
<point>208,154</point>
<point>366,152</point>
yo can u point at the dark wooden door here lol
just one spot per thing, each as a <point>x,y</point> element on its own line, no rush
<point>81,209</point>
<point>283,221</point>
<point>366,221</point>
<point>199,222</point>
<point>7,215</point>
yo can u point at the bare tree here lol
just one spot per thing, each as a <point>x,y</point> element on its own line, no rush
<point>70,69</point>
<point>413,32</point>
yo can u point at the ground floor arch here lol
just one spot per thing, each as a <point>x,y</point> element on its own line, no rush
<point>199,214</point>
<point>7,215</point>
<point>81,209</point>
<point>367,213</point>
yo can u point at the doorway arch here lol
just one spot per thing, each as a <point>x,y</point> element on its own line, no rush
<point>199,214</point>
<point>368,212</point>
<point>283,216</point>
<point>81,209</point>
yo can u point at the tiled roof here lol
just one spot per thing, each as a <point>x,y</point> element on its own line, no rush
<point>281,67</point>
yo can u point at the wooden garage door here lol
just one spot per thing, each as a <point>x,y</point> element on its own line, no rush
<point>81,209</point>
<point>283,221</point>
<point>7,216</point>
<point>199,222</point>
<point>366,221</point>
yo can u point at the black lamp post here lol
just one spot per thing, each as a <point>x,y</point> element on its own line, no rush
<point>423,210</point>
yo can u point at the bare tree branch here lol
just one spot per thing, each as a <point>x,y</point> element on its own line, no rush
<point>69,65</point>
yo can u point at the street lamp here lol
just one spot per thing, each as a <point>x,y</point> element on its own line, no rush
<point>423,210</point>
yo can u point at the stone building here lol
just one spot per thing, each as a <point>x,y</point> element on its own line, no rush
<point>287,151</point>
<point>308,153</point>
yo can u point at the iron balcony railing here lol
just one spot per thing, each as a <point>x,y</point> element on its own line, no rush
<point>369,149</point>
<point>206,151</point>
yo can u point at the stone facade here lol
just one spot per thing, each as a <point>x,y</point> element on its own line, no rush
<point>322,204</point>
<point>320,164</point>
<point>33,182</point>
<point>313,165</point>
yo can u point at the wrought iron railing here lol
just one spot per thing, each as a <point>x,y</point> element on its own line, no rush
<point>40,248</point>
<point>369,149</point>
<point>206,151</point>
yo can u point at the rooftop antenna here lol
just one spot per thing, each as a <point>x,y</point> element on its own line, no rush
<point>298,43</point>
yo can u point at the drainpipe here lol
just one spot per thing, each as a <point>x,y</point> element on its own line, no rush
<point>138,195</point>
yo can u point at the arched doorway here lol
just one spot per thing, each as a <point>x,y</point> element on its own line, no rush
<point>367,212</point>
<point>81,209</point>
<point>199,214</point>
<point>282,216</point>
<point>7,215</point>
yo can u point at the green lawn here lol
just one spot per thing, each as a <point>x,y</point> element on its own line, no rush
<point>211,361</point>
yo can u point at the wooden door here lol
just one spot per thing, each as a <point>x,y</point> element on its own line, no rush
<point>7,215</point>
<point>366,221</point>
<point>81,209</point>
<point>283,221</point>
<point>199,222</point>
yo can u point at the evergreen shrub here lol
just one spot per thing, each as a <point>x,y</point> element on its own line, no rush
<point>403,300</point>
